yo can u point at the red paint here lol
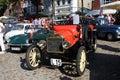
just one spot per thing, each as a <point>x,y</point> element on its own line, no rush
<point>68,32</point>
<point>31,33</point>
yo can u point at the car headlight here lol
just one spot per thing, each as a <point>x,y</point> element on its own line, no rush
<point>117,31</point>
<point>8,40</point>
<point>66,44</point>
<point>27,41</point>
<point>118,27</point>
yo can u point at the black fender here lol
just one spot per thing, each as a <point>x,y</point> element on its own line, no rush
<point>41,44</point>
<point>88,37</point>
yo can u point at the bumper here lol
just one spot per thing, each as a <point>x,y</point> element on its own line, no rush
<point>18,47</point>
<point>118,35</point>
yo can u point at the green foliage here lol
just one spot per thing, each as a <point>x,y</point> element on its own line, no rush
<point>35,2</point>
<point>4,4</point>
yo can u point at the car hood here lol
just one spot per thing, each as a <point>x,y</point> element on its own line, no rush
<point>13,33</point>
<point>19,39</point>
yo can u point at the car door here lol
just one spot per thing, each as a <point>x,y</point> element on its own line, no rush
<point>101,27</point>
<point>28,28</point>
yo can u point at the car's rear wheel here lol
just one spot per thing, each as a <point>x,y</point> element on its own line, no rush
<point>81,61</point>
<point>94,45</point>
<point>90,40</point>
<point>33,57</point>
<point>110,37</point>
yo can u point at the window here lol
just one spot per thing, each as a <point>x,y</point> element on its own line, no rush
<point>69,1</point>
<point>27,27</point>
<point>18,27</point>
<point>106,1</point>
<point>63,2</point>
<point>58,3</point>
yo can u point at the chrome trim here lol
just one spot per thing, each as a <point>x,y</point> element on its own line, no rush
<point>19,44</point>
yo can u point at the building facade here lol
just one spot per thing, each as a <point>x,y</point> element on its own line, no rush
<point>96,4</point>
<point>64,7</point>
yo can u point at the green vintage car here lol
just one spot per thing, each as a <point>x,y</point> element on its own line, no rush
<point>23,41</point>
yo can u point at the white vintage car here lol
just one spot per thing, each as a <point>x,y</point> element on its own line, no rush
<point>19,28</point>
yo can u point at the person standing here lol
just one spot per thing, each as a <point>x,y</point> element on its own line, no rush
<point>108,18</point>
<point>101,15</point>
<point>2,27</point>
<point>112,19</point>
<point>35,21</point>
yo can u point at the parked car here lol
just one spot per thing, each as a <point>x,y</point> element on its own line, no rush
<point>70,42</point>
<point>108,31</point>
<point>19,28</point>
<point>8,26</point>
<point>23,41</point>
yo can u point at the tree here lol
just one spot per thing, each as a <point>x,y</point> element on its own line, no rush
<point>4,5</point>
<point>36,3</point>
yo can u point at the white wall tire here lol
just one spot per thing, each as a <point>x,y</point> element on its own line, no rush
<point>33,57</point>
<point>81,61</point>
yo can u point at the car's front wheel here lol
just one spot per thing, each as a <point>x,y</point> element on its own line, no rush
<point>110,37</point>
<point>81,60</point>
<point>33,57</point>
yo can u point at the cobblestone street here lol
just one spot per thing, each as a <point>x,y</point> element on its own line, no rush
<point>103,65</point>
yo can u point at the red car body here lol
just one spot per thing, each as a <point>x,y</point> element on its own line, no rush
<point>71,33</point>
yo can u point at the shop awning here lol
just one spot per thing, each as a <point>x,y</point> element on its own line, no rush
<point>105,11</point>
<point>7,17</point>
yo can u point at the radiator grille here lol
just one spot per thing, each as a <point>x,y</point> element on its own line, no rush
<point>54,45</point>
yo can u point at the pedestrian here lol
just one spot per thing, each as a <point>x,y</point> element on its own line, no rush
<point>31,20</point>
<point>47,24</point>
<point>101,15</point>
<point>35,21</point>
<point>108,18</point>
<point>2,27</point>
<point>40,23</point>
<point>112,19</point>
<point>101,18</point>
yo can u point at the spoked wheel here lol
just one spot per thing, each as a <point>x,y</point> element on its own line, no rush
<point>81,61</point>
<point>33,57</point>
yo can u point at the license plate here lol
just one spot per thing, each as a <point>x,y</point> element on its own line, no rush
<point>15,48</point>
<point>56,62</point>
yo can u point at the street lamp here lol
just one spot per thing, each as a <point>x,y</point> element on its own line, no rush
<point>53,9</point>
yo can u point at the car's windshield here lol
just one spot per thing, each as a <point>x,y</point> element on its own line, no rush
<point>18,27</point>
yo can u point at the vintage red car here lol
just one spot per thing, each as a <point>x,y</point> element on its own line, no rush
<point>72,41</point>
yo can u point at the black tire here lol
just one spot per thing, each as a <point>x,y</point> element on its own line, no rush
<point>87,36</point>
<point>81,60</point>
<point>94,45</point>
<point>110,37</point>
<point>33,57</point>
<point>90,39</point>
